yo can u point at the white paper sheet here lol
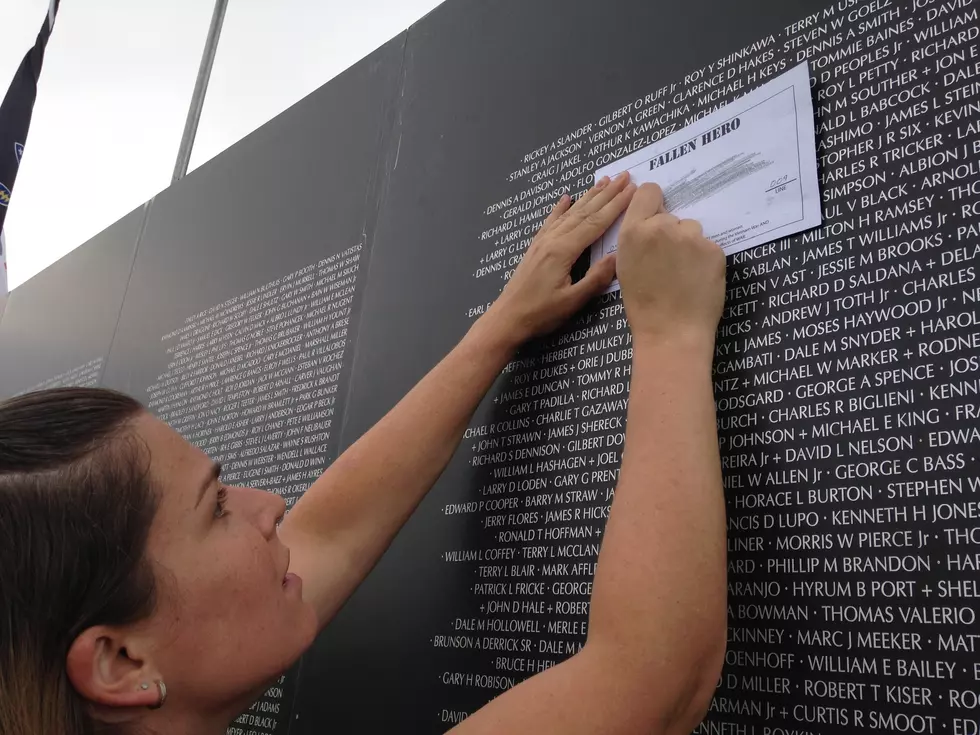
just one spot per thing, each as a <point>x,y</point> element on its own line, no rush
<point>747,172</point>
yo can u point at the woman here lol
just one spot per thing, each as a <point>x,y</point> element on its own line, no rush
<point>141,595</point>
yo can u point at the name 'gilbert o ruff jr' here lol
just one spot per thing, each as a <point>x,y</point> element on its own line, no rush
<point>690,146</point>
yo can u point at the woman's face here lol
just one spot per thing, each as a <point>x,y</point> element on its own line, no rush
<point>227,620</point>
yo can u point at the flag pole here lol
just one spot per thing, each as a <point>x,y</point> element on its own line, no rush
<point>16,111</point>
<point>200,90</point>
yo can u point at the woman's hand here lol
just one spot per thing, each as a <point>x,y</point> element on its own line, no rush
<point>672,276</point>
<point>540,295</point>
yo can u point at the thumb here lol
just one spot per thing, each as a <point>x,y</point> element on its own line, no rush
<point>596,280</point>
<point>647,202</point>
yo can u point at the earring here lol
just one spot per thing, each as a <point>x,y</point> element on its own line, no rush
<point>163,694</point>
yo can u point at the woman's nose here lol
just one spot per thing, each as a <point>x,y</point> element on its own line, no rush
<point>268,510</point>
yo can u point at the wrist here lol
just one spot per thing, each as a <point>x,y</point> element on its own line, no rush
<point>496,335</point>
<point>692,345</point>
<point>502,325</point>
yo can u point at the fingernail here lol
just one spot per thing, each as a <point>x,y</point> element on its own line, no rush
<point>623,177</point>
<point>564,198</point>
<point>603,182</point>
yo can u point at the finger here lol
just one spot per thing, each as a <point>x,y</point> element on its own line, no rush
<point>664,219</point>
<point>648,202</point>
<point>591,193</point>
<point>692,227</point>
<point>563,205</point>
<point>590,229</point>
<point>590,205</point>
<point>595,281</point>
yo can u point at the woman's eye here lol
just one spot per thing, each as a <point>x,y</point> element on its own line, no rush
<point>219,508</point>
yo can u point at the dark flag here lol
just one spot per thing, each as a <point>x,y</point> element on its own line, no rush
<point>15,119</point>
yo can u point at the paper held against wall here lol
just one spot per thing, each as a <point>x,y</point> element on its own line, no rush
<point>747,172</point>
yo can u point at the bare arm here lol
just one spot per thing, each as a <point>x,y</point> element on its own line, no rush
<point>657,623</point>
<point>348,518</point>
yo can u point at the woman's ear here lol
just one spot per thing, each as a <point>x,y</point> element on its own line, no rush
<point>108,670</point>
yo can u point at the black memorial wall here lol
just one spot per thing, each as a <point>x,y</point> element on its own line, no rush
<point>57,328</point>
<point>287,294</point>
<point>844,375</point>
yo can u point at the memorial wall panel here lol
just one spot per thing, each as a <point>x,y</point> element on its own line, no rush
<point>240,321</point>
<point>57,327</point>
<point>845,372</point>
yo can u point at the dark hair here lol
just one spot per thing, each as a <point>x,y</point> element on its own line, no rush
<point>76,504</point>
